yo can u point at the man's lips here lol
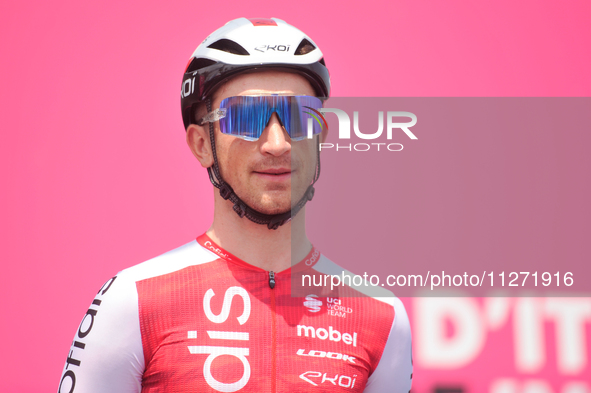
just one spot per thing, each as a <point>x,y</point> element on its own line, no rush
<point>274,173</point>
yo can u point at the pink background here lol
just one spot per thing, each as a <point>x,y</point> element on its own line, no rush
<point>95,171</point>
<point>490,185</point>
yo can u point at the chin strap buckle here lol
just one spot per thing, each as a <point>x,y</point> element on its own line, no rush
<point>276,222</point>
<point>240,209</point>
<point>225,190</point>
<point>310,193</point>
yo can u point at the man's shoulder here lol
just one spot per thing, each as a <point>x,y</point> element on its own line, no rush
<point>356,285</point>
<point>189,254</point>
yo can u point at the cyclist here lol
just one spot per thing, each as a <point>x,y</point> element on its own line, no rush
<point>217,314</point>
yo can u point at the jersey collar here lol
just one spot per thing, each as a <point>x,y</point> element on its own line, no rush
<point>310,260</point>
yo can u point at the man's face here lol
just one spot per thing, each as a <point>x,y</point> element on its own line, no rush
<point>264,173</point>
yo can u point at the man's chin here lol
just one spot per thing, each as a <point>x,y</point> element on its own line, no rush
<point>272,210</point>
<point>272,203</point>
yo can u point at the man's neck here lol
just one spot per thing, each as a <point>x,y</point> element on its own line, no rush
<point>269,249</point>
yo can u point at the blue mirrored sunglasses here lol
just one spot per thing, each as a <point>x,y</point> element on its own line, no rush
<point>247,116</point>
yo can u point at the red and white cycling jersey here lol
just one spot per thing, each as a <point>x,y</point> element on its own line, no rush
<point>198,319</point>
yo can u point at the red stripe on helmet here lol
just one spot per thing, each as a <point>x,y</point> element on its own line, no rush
<point>262,22</point>
<point>188,64</point>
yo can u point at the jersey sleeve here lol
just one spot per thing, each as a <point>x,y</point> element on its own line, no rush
<point>394,371</point>
<point>106,354</point>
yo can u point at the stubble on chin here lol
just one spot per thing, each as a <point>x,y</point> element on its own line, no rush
<point>275,198</point>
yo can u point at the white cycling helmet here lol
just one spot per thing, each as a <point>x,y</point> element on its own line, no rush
<point>250,45</point>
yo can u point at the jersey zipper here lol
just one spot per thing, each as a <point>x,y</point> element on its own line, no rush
<point>273,334</point>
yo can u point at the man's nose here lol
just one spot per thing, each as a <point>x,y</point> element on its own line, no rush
<point>275,140</point>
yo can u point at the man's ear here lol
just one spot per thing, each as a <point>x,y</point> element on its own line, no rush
<point>200,145</point>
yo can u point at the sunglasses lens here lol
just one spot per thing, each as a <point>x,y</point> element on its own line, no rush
<point>247,116</point>
<point>244,117</point>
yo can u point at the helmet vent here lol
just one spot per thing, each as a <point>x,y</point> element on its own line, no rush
<point>197,64</point>
<point>229,46</point>
<point>304,47</point>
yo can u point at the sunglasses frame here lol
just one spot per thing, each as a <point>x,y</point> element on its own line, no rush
<point>221,113</point>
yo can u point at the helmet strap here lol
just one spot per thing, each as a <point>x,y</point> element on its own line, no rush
<point>273,221</point>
